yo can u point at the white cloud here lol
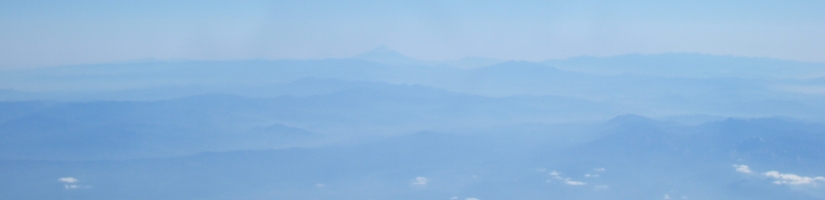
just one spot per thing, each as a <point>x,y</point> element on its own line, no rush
<point>555,175</point>
<point>68,180</point>
<point>792,179</point>
<point>666,196</point>
<point>567,181</point>
<point>743,168</point>
<point>69,183</point>
<point>600,169</point>
<point>320,185</point>
<point>574,183</point>
<point>783,179</point>
<point>420,181</point>
<point>591,175</point>
<point>72,186</point>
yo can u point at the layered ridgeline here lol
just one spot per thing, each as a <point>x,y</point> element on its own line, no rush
<point>651,85</point>
<point>385,126</point>
<point>136,129</point>
<point>629,157</point>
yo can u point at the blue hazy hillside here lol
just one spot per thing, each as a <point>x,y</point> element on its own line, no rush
<point>382,125</point>
<point>108,129</point>
<point>631,158</point>
<point>655,85</point>
<point>692,65</point>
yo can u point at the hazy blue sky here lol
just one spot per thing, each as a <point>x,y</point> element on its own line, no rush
<point>44,33</point>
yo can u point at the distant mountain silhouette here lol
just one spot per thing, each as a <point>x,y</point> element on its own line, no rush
<point>692,65</point>
<point>385,55</point>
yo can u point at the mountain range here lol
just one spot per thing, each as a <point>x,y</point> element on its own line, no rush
<point>385,126</point>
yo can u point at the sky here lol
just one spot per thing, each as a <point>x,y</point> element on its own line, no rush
<point>55,33</point>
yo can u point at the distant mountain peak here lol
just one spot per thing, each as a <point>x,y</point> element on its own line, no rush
<point>629,118</point>
<point>381,51</point>
<point>632,120</point>
<point>385,55</point>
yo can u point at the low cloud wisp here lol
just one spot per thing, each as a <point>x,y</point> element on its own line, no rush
<point>793,179</point>
<point>69,183</point>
